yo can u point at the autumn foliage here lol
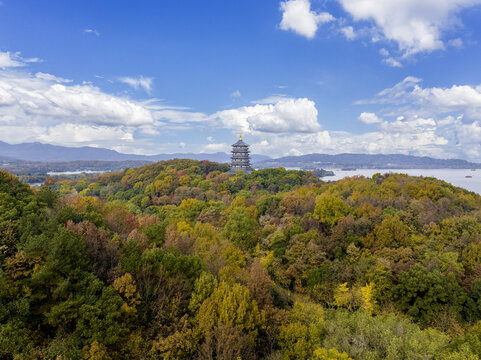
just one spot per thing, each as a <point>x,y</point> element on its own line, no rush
<point>181,260</point>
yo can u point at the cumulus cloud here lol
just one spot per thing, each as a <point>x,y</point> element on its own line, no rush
<point>286,115</point>
<point>139,82</point>
<point>298,17</point>
<point>47,108</point>
<point>435,121</point>
<point>409,118</point>
<point>416,26</point>
<point>464,99</point>
<point>56,110</point>
<point>414,136</point>
<point>36,97</point>
<point>369,118</point>
<point>292,144</point>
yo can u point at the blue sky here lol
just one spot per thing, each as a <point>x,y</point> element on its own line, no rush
<point>295,76</point>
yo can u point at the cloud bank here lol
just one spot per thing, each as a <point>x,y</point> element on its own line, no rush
<point>412,26</point>
<point>405,118</point>
<point>416,26</point>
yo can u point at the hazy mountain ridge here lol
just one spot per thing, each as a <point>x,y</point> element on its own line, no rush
<point>39,152</point>
<point>389,161</point>
<point>45,152</point>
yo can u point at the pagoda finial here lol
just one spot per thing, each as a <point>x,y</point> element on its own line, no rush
<point>240,135</point>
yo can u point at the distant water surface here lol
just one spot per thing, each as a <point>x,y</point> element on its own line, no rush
<point>457,177</point>
<point>77,172</point>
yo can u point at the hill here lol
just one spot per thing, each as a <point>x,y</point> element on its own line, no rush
<point>181,260</point>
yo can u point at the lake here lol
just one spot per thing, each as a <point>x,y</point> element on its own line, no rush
<point>76,172</point>
<point>457,177</point>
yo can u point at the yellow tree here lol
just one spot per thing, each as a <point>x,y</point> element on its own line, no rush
<point>330,354</point>
<point>231,305</point>
<point>329,209</point>
<point>125,286</point>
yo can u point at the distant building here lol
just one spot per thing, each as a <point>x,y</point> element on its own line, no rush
<point>240,157</point>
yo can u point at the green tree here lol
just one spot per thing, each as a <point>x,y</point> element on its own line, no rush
<point>241,229</point>
<point>424,295</point>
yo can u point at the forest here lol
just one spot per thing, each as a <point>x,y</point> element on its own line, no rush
<point>182,260</point>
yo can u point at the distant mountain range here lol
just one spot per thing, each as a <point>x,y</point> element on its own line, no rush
<point>52,153</point>
<point>45,152</point>
<point>379,161</point>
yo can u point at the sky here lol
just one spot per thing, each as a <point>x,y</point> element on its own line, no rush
<point>294,76</point>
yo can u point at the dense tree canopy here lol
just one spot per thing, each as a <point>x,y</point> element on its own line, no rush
<point>181,260</point>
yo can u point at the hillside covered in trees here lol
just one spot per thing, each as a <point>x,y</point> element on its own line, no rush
<point>181,260</point>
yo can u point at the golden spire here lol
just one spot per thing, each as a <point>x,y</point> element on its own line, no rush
<point>240,136</point>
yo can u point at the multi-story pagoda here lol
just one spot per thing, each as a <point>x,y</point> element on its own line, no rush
<point>240,157</point>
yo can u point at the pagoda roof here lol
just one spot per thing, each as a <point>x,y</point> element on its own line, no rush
<point>240,143</point>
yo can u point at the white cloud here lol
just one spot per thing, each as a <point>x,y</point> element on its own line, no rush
<point>39,97</point>
<point>51,77</point>
<point>394,95</point>
<point>139,82</point>
<point>435,121</point>
<point>348,32</point>
<point>8,60</point>
<point>270,99</point>
<point>291,144</point>
<point>457,43</point>
<point>67,133</point>
<point>384,52</point>
<point>236,94</point>
<point>179,116</point>
<point>14,60</point>
<point>434,100</point>
<point>416,26</point>
<point>414,125</point>
<point>369,118</point>
<point>217,147</point>
<point>390,61</point>
<point>298,17</point>
<point>92,31</point>
<point>287,115</point>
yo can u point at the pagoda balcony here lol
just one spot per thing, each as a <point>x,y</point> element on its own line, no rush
<point>240,156</point>
<point>240,162</point>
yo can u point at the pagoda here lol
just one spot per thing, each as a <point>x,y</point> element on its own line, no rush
<point>240,157</point>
